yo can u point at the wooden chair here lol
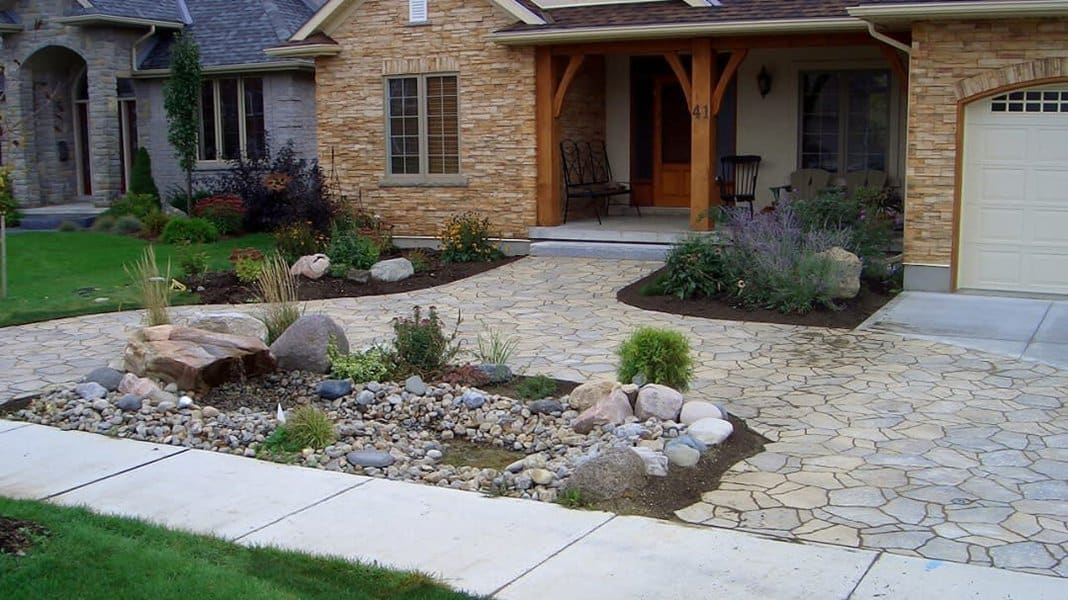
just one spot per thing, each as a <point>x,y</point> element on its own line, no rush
<point>738,179</point>
<point>865,178</point>
<point>806,183</point>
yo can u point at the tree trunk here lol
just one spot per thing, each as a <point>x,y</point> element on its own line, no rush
<point>189,192</point>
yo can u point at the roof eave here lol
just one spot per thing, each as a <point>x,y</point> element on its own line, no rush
<point>90,20</point>
<point>989,9</point>
<point>238,69</point>
<point>677,30</point>
<point>303,50</point>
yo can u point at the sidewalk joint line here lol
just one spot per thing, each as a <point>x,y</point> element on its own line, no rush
<point>551,556</point>
<point>116,474</point>
<point>1031,339</point>
<point>300,510</point>
<point>878,555</point>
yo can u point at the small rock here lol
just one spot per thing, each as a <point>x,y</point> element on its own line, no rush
<point>90,390</point>
<point>630,430</point>
<point>698,409</point>
<point>690,441</point>
<point>658,402</point>
<point>171,387</point>
<point>101,405</point>
<point>545,406</point>
<point>365,397</point>
<point>394,269</point>
<point>682,455</point>
<point>434,454</point>
<point>129,402</point>
<point>185,402</point>
<point>639,379</point>
<point>165,406</point>
<point>370,458</point>
<point>105,376</point>
<point>541,476</point>
<point>473,399</point>
<point>358,275</point>
<point>142,386</point>
<point>332,389</point>
<point>496,373</point>
<point>209,412</point>
<point>614,409</point>
<point>415,385</point>
<point>656,464</point>
<point>710,430</point>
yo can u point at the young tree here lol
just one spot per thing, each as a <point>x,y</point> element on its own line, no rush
<point>181,101</point>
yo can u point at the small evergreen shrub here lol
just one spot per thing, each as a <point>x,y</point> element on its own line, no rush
<point>694,268</point>
<point>189,231</point>
<point>127,225</point>
<point>104,223</point>
<point>8,206</point>
<point>360,367</point>
<point>349,249</point>
<point>141,181</point>
<point>310,427</point>
<point>660,355</point>
<point>225,211</point>
<point>138,205</point>
<point>421,344</point>
<point>248,270</point>
<point>153,223</point>
<point>466,238</point>
<point>536,387</point>
<point>193,260</point>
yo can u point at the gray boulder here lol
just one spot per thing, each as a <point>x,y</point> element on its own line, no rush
<point>846,283</point>
<point>614,409</point>
<point>105,376</point>
<point>302,347</point>
<point>332,389</point>
<point>682,455</point>
<point>370,458</point>
<point>496,373</point>
<point>394,269</point>
<point>608,476</point>
<point>546,406</point>
<point>129,403</point>
<point>90,390</point>
<point>232,322</point>
<point>658,402</point>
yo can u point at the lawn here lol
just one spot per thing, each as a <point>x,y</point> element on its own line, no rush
<point>54,274</point>
<point>85,555</point>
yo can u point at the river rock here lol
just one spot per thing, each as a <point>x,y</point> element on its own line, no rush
<point>710,430</point>
<point>129,403</point>
<point>302,346</point>
<point>195,359</point>
<point>690,441</point>
<point>332,389</point>
<point>415,385</point>
<point>541,476</point>
<point>105,376</point>
<point>588,394</point>
<point>496,373</point>
<point>656,463</point>
<point>682,455</point>
<point>608,476</point>
<point>546,406</point>
<point>658,402</point>
<point>90,390</point>
<point>614,409</point>
<point>232,322</point>
<point>699,409</point>
<point>370,458</point>
<point>473,399</point>
<point>394,269</point>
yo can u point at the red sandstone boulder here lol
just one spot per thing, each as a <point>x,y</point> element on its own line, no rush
<point>195,359</point>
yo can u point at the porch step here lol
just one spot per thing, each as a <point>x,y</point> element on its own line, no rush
<point>50,222</point>
<point>617,250</point>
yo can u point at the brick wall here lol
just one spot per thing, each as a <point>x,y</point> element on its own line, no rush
<point>944,54</point>
<point>496,88</point>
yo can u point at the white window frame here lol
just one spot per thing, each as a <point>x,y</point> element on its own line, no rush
<point>423,178</point>
<point>242,125</point>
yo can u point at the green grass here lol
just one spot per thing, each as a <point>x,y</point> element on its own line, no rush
<point>89,556</point>
<point>50,273</point>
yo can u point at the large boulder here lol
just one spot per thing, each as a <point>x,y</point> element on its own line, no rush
<point>312,266</point>
<point>614,409</point>
<point>710,430</point>
<point>658,402</point>
<point>588,394</point>
<point>394,269</point>
<point>195,359</point>
<point>847,268</point>
<point>694,410</point>
<point>232,322</point>
<point>608,476</point>
<point>302,346</point>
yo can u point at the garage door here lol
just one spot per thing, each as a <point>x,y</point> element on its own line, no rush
<point>1014,193</point>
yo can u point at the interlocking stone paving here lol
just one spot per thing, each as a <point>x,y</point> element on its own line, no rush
<point>880,442</point>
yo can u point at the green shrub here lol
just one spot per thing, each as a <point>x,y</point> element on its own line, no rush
<point>420,343</point>
<point>861,215</point>
<point>309,427</point>
<point>298,239</point>
<point>694,268</point>
<point>127,225</point>
<point>104,223</point>
<point>535,388</point>
<point>177,197</point>
<point>420,260</point>
<point>141,181</point>
<point>189,231</point>
<point>660,355</point>
<point>138,205</point>
<point>804,286</point>
<point>360,367</point>
<point>153,223</point>
<point>466,238</point>
<point>193,260</point>
<point>248,270</point>
<point>8,206</point>
<point>349,249</point>
<point>226,211</point>
<point>68,226</point>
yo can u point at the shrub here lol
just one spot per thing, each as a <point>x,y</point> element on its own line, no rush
<point>495,348</point>
<point>127,225</point>
<point>141,181</point>
<point>862,215</point>
<point>421,344</point>
<point>536,387</point>
<point>69,226</point>
<point>309,427</point>
<point>153,287</point>
<point>299,239</point>
<point>248,270</point>
<point>8,206</point>
<point>360,367</point>
<point>193,260</point>
<point>466,238</point>
<point>104,223</point>
<point>189,231</point>
<point>694,268</point>
<point>468,375</point>
<point>248,252</point>
<point>153,223</point>
<point>660,355</point>
<point>177,197</point>
<point>420,260</point>
<point>278,291</point>
<point>138,205</point>
<point>226,211</point>
<point>352,250</point>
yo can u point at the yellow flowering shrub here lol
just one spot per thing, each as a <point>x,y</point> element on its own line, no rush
<point>466,238</point>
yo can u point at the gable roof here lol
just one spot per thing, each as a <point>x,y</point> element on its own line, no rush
<point>150,10</point>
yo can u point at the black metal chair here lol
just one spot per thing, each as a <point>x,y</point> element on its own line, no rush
<point>587,175</point>
<point>738,180</point>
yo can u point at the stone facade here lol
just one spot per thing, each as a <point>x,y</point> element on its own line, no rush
<point>953,61</point>
<point>582,117</point>
<point>496,104</point>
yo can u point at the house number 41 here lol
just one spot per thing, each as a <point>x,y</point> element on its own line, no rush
<point>700,111</point>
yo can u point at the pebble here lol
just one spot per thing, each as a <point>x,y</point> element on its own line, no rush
<point>101,405</point>
<point>541,476</point>
<point>434,454</point>
<point>165,406</point>
<point>473,399</point>
<point>185,402</point>
<point>209,412</point>
<point>365,397</point>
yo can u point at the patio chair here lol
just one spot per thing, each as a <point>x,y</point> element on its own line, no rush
<point>865,178</point>
<point>587,175</point>
<point>738,179</point>
<point>806,183</point>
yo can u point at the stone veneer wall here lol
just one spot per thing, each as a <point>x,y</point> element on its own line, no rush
<point>496,103</point>
<point>943,54</point>
<point>582,117</point>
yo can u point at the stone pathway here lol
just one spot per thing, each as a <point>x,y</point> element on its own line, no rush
<point>910,446</point>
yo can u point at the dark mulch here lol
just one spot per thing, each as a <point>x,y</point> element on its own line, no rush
<point>683,487</point>
<point>850,314</point>
<point>224,288</point>
<point>510,388</point>
<point>17,536</point>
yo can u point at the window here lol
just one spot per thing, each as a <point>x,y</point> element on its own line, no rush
<point>417,12</point>
<point>422,125</point>
<point>1047,101</point>
<point>231,119</point>
<point>845,120</point>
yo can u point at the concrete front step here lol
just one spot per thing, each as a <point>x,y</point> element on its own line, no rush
<point>617,250</point>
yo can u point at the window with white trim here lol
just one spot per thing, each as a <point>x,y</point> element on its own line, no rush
<point>417,11</point>
<point>845,120</point>
<point>1033,101</point>
<point>422,128</point>
<point>232,119</point>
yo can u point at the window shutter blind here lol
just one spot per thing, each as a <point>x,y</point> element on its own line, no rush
<point>417,11</point>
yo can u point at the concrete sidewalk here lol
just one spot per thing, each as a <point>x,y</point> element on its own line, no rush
<point>503,547</point>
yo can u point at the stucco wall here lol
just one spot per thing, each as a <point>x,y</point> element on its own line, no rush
<point>496,104</point>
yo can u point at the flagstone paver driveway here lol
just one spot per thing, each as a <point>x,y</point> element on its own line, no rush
<point>878,442</point>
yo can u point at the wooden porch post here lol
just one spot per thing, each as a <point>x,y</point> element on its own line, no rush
<point>703,189</point>
<point>546,139</point>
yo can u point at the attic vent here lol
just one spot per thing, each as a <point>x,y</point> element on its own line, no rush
<point>417,11</point>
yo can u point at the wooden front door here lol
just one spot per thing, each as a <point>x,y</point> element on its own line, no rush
<point>671,144</point>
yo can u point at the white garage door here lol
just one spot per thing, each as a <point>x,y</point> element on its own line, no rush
<point>1014,193</point>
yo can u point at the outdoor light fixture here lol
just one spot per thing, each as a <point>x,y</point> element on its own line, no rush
<point>763,81</point>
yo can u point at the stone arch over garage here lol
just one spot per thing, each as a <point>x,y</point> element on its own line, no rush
<point>1026,74</point>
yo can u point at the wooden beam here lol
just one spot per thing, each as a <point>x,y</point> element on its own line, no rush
<point>703,188</point>
<point>737,56</point>
<point>574,63</point>
<point>547,152</point>
<point>893,57</point>
<point>672,59</point>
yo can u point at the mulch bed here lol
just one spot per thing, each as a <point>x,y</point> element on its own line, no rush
<point>683,487</point>
<point>17,536</point>
<point>850,314</point>
<point>224,287</point>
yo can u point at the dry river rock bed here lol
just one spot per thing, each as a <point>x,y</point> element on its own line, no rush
<point>386,431</point>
